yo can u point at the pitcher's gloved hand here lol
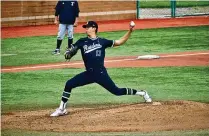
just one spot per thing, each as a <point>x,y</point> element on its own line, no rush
<point>70,52</point>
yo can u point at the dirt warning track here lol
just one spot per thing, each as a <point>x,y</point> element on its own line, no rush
<point>106,26</point>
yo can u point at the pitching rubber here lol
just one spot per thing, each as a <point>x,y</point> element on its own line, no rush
<point>156,103</point>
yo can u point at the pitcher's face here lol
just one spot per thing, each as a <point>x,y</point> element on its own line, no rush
<point>90,30</point>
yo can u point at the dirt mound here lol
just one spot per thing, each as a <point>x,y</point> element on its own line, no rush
<point>171,115</point>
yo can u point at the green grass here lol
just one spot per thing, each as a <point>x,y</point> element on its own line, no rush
<point>163,133</point>
<point>166,3</point>
<point>37,50</point>
<point>43,89</point>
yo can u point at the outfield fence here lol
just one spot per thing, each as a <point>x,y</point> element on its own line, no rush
<point>171,8</point>
<point>33,13</point>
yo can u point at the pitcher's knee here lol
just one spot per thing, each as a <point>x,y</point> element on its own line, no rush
<point>68,86</point>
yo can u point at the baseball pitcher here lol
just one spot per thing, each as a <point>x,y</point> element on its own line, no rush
<point>92,49</point>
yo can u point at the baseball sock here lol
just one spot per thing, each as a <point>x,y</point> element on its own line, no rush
<point>70,41</point>
<point>141,93</point>
<point>59,42</point>
<point>130,91</point>
<point>134,92</point>
<point>65,97</point>
<point>62,105</point>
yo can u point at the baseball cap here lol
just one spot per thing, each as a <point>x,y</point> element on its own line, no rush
<point>91,24</point>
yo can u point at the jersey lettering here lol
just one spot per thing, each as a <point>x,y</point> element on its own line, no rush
<point>98,53</point>
<point>91,48</point>
<point>72,3</point>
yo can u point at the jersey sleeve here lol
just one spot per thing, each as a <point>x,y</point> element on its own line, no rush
<point>57,8</point>
<point>108,43</point>
<point>77,9</point>
<point>78,43</point>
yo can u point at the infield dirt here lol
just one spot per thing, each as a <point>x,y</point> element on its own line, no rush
<point>158,116</point>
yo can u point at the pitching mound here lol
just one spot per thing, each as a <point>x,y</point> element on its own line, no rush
<point>158,116</point>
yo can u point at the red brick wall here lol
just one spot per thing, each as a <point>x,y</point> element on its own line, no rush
<point>27,9</point>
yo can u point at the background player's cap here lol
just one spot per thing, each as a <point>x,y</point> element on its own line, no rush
<point>91,24</point>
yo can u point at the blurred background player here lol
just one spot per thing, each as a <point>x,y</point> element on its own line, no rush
<point>93,53</point>
<point>66,15</point>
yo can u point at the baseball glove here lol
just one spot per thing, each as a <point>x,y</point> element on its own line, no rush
<point>70,52</point>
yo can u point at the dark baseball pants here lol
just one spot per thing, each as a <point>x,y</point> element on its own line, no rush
<point>99,76</point>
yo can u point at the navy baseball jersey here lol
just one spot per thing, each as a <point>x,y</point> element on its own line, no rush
<point>93,51</point>
<point>67,11</point>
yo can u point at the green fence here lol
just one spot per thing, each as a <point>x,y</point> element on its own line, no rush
<point>171,8</point>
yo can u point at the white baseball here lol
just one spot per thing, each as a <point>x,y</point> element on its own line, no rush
<point>132,24</point>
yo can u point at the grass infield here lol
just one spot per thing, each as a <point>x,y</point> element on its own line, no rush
<point>37,50</point>
<point>43,89</point>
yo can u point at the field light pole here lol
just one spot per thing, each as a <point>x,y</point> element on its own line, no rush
<point>173,8</point>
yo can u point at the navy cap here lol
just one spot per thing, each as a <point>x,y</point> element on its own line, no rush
<point>91,24</point>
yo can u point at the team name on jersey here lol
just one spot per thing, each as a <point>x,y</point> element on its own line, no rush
<point>91,48</point>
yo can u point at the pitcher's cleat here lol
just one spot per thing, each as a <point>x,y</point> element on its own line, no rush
<point>147,98</point>
<point>59,112</point>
